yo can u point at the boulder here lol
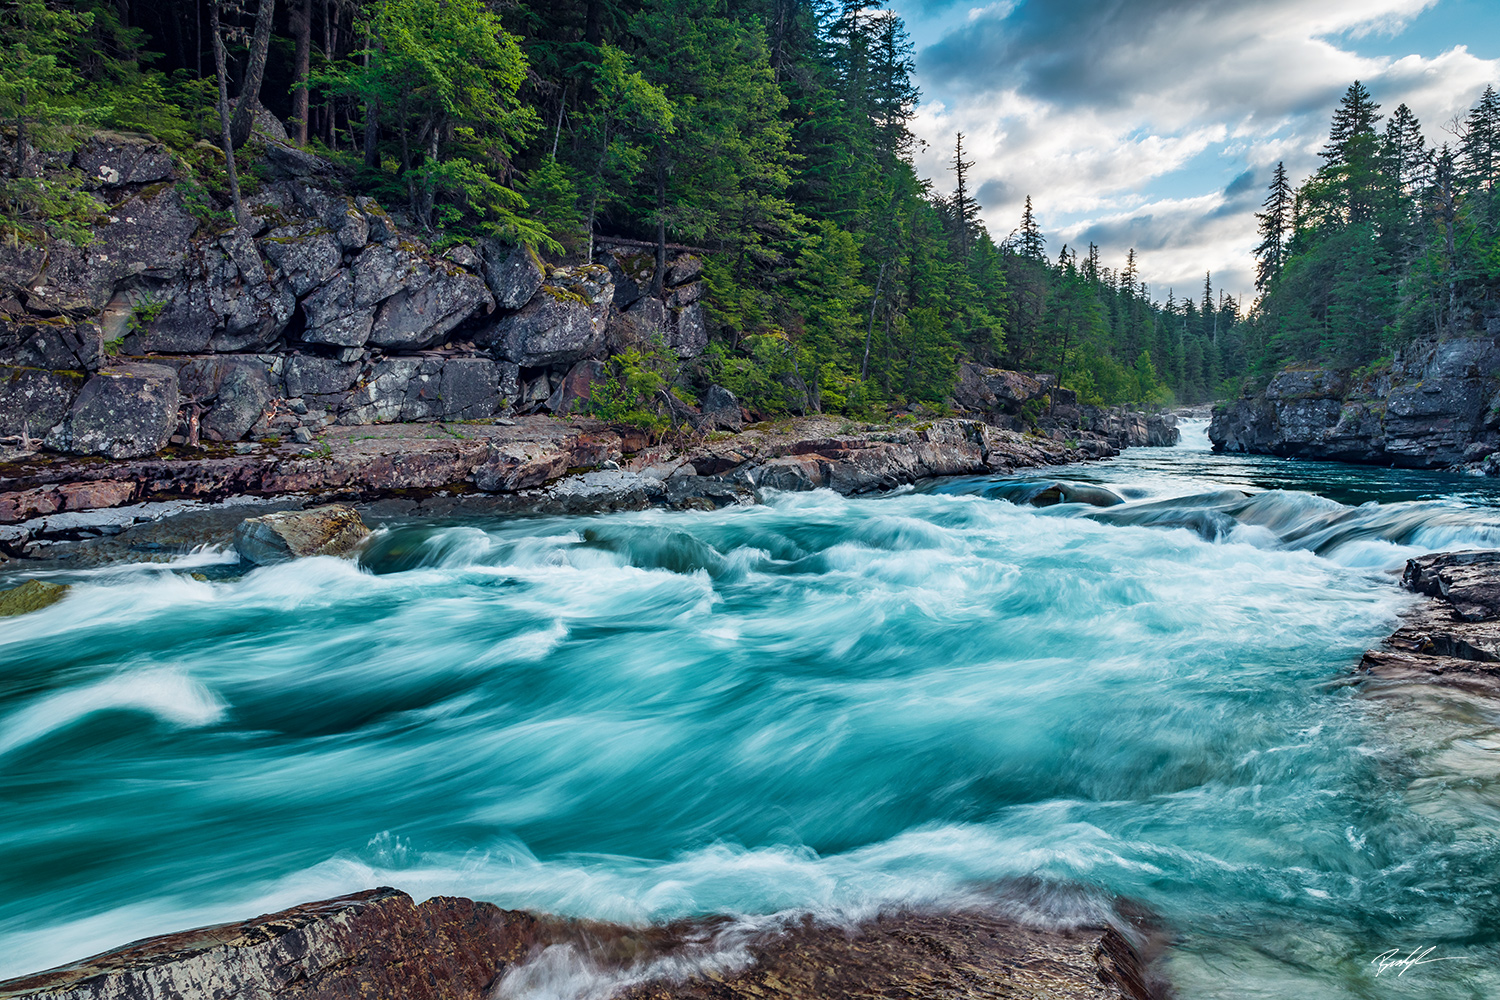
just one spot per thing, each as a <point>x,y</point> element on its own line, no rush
<point>392,296</point>
<point>33,595</point>
<point>338,212</point>
<point>53,344</point>
<point>283,161</point>
<point>376,943</point>
<point>33,400</point>
<point>145,237</point>
<point>380,944</point>
<point>641,325</point>
<point>996,390</point>
<point>683,268</point>
<point>513,273</point>
<point>517,465</point>
<point>573,391</point>
<point>242,397</point>
<point>689,332</point>
<point>476,388</point>
<point>306,254</point>
<point>227,303</point>
<point>332,530</point>
<point>631,271</point>
<point>685,295</point>
<point>534,391</point>
<point>1469,581</point>
<point>113,159</point>
<point>127,411</point>
<point>308,375</point>
<point>435,301</point>
<point>563,323</point>
<point>721,410</point>
<point>382,226</point>
<point>396,389</point>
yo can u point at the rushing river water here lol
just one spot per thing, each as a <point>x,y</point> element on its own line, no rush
<point>821,704</point>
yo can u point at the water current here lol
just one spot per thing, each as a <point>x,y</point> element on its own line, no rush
<point>816,704</point>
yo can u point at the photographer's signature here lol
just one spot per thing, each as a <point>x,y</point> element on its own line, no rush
<point>1394,959</point>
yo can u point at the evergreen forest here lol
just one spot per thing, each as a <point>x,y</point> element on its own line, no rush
<point>775,135</point>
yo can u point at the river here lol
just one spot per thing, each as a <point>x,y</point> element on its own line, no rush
<point>817,704</point>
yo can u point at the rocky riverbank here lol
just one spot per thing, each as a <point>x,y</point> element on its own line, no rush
<point>530,464</point>
<point>1453,637</point>
<point>1436,405</point>
<point>379,943</point>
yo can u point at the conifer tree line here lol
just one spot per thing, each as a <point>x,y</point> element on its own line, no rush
<point>1391,239</point>
<point>774,134</point>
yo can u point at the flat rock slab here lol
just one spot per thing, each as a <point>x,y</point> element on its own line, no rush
<point>378,943</point>
<point>331,530</point>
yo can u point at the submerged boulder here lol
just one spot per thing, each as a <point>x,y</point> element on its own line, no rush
<point>333,530</point>
<point>33,595</point>
<point>127,411</point>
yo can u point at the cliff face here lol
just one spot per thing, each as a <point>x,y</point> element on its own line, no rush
<point>322,311</point>
<point>1437,407</point>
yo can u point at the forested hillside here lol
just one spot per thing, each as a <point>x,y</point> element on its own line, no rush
<point>774,134</point>
<point>1392,239</point>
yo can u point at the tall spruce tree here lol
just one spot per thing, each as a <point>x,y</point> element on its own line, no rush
<point>1275,226</point>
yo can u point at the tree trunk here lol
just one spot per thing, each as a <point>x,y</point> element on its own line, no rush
<point>255,71</point>
<point>225,139</point>
<point>302,27</point>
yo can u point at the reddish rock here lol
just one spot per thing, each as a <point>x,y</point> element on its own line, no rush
<point>378,944</point>
<point>90,496</point>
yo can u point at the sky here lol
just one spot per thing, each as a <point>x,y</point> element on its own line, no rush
<point>1156,124</point>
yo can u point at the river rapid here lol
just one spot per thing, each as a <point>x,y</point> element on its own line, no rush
<point>819,704</point>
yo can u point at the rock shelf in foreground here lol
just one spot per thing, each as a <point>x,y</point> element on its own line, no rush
<point>379,943</point>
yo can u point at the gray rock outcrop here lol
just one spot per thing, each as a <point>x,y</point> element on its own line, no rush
<point>126,411</point>
<point>563,323</point>
<point>1436,407</point>
<point>34,400</point>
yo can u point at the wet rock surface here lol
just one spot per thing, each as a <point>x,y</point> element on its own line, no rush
<point>331,530</point>
<point>33,595</point>
<point>1452,638</point>
<point>379,943</point>
<point>1437,406</point>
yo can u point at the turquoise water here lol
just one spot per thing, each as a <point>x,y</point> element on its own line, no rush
<point>820,704</point>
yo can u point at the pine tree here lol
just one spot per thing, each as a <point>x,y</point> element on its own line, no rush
<point>965,208</point>
<point>1405,148</point>
<point>1355,118</point>
<point>1275,220</point>
<point>1479,150</point>
<point>1032,244</point>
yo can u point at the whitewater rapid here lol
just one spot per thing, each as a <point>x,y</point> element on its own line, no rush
<point>818,704</point>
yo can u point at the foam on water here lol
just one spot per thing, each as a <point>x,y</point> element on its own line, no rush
<point>821,705</point>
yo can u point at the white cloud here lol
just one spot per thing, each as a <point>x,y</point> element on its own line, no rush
<point>1095,108</point>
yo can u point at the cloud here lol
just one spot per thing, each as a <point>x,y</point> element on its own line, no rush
<point>1122,117</point>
